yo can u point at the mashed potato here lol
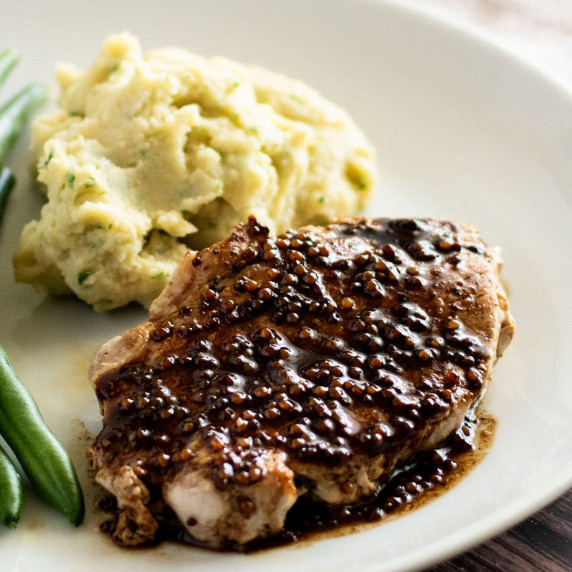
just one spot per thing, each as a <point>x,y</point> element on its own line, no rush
<point>148,155</point>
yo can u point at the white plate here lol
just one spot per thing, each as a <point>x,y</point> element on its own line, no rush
<point>462,129</point>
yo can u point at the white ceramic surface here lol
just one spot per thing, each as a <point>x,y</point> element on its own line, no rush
<point>462,130</point>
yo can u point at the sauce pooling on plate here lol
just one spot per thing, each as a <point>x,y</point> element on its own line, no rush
<point>315,363</point>
<point>431,474</point>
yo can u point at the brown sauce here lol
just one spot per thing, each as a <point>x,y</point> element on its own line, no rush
<point>429,475</point>
<point>325,348</point>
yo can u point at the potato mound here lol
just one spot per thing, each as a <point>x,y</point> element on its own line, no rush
<point>149,155</point>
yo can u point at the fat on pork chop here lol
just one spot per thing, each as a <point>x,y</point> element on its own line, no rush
<point>313,363</point>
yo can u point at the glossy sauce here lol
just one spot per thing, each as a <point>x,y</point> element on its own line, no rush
<point>430,475</point>
<point>351,344</point>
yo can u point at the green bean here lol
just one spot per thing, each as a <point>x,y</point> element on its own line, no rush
<point>7,181</point>
<point>15,113</point>
<point>8,59</point>
<point>11,492</point>
<point>42,457</point>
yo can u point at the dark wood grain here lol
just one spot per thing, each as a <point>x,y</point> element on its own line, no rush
<point>542,543</point>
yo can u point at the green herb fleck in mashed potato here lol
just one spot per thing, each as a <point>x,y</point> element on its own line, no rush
<point>151,154</point>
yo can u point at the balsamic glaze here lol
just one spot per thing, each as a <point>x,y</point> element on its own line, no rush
<point>426,477</point>
<point>321,345</point>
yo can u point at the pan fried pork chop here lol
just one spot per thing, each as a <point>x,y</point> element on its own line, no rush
<point>313,363</point>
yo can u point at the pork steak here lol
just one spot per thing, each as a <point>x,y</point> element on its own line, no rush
<point>312,363</point>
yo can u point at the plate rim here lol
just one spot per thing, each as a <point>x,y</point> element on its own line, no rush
<point>443,549</point>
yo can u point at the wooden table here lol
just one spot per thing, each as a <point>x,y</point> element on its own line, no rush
<point>541,32</point>
<point>542,543</point>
